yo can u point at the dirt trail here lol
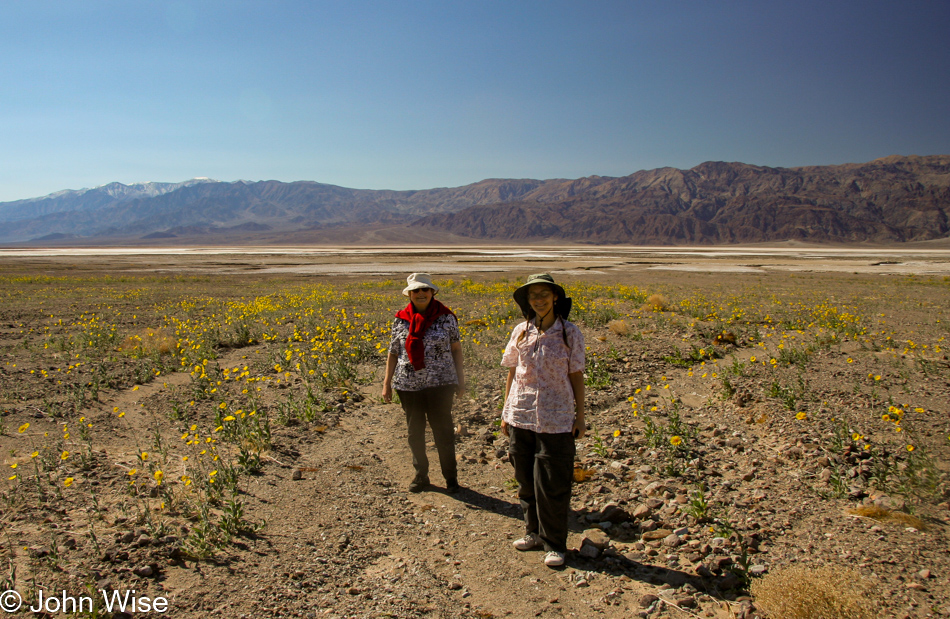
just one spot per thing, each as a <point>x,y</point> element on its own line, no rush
<point>347,539</point>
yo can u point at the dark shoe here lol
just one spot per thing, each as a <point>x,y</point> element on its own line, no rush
<point>419,484</point>
<point>453,487</point>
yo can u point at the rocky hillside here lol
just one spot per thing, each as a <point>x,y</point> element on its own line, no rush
<point>886,200</point>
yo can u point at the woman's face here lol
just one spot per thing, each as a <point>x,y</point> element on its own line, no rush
<point>421,297</point>
<point>541,298</point>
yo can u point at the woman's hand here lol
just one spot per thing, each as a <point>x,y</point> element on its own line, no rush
<point>387,393</point>
<point>504,427</point>
<point>460,389</point>
<point>580,427</point>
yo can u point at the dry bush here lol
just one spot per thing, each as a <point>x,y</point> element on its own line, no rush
<point>619,327</point>
<point>804,592</point>
<point>881,514</point>
<point>655,303</point>
<point>149,341</point>
<point>725,338</point>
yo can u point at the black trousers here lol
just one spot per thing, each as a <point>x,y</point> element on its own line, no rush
<point>434,404</point>
<point>544,470</point>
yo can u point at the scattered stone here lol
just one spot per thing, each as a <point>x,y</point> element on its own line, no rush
<point>642,511</point>
<point>672,540</point>
<point>758,570</point>
<point>686,601</point>
<point>144,571</point>
<point>729,581</point>
<point>924,574</point>
<point>596,538</point>
<point>651,536</point>
<point>588,550</point>
<point>648,600</point>
<point>297,475</point>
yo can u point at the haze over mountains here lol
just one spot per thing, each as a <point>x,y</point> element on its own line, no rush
<point>894,199</point>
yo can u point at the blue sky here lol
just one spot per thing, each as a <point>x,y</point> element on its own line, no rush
<point>420,94</point>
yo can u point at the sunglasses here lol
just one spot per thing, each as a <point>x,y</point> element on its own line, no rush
<point>421,290</point>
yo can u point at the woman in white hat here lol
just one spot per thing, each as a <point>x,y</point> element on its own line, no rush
<point>544,412</point>
<point>425,368</point>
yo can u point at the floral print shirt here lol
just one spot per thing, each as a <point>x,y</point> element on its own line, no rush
<point>440,366</point>
<point>541,398</point>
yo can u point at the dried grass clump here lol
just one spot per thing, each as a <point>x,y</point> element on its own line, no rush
<point>882,514</point>
<point>619,327</point>
<point>149,341</point>
<point>803,592</point>
<point>655,303</point>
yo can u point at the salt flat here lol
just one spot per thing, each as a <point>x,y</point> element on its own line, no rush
<point>466,260</point>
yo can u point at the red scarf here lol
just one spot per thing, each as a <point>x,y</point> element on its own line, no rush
<point>418,324</point>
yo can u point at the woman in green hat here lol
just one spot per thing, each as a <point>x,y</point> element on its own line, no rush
<point>544,412</point>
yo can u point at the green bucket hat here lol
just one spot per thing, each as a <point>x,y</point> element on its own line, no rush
<point>562,307</point>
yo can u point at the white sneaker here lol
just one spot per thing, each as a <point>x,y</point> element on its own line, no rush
<point>554,559</point>
<point>528,542</point>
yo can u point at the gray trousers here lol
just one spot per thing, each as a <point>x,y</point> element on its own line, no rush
<point>544,470</point>
<point>434,404</point>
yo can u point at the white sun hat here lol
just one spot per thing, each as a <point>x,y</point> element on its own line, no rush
<point>419,280</point>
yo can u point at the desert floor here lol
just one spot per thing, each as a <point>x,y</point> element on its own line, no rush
<point>768,427</point>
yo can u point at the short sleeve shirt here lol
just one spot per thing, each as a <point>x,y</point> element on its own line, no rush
<point>440,366</point>
<point>541,398</point>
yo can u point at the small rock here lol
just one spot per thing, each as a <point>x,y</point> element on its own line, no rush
<point>143,540</point>
<point>614,513</point>
<point>924,574</point>
<point>144,571</point>
<point>672,540</point>
<point>582,583</point>
<point>729,581</point>
<point>686,601</point>
<point>38,552</point>
<point>658,534</point>
<point>297,475</point>
<point>589,551</point>
<point>916,586</point>
<point>127,537</point>
<point>596,538</point>
<point>642,511</point>
<point>455,586</point>
<point>648,600</point>
<point>758,570</point>
<point>654,503</point>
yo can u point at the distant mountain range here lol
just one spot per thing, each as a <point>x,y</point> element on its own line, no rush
<point>893,199</point>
